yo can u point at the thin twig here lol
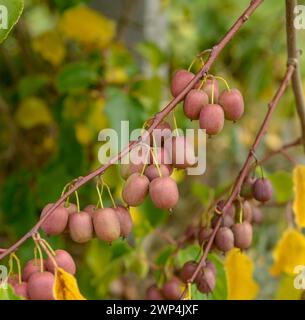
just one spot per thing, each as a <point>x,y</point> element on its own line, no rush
<point>156,121</point>
<point>293,57</point>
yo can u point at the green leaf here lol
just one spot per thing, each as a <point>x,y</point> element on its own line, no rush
<point>189,253</point>
<point>17,202</point>
<point>121,107</point>
<point>8,294</point>
<point>282,185</point>
<point>76,77</point>
<point>202,192</point>
<point>152,53</point>
<point>221,291</point>
<point>31,85</point>
<point>10,12</point>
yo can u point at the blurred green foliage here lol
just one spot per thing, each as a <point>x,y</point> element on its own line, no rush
<point>58,90</point>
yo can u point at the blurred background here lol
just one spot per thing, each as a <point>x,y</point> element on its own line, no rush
<point>71,68</point>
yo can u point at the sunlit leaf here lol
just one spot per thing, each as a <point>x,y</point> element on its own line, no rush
<point>65,286</point>
<point>87,26</point>
<point>299,195</point>
<point>10,12</point>
<point>288,253</point>
<point>286,289</point>
<point>239,270</point>
<point>31,112</point>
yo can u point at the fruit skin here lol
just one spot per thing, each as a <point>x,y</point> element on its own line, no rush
<point>64,261</point>
<point>226,220</point>
<point>188,270</point>
<point>171,289</point>
<point>210,265</point>
<point>257,215</point>
<point>242,235</point>
<point>71,208</point>
<point>152,173</point>
<point>224,239</point>
<point>125,220</point>
<point>164,192</point>
<point>20,289</point>
<point>232,103</point>
<point>80,227</point>
<point>194,101</point>
<point>207,281</point>
<point>207,88</point>
<point>212,119</point>
<point>90,208</point>
<point>31,267</point>
<point>247,211</point>
<point>181,152</point>
<point>162,156</point>
<point>40,286</point>
<point>262,190</point>
<point>13,279</point>
<point>106,224</point>
<point>180,80</point>
<point>135,189</point>
<point>204,234</point>
<point>56,223</point>
<point>153,293</point>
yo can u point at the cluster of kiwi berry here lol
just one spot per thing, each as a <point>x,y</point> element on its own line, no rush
<point>236,222</point>
<point>155,162</point>
<point>37,279</point>
<point>206,104</point>
<point>172,289</point>
<point>236,230</point>
<point>107,224</point>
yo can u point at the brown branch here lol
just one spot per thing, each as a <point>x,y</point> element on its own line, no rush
<point>246,167</point>
<point>293,57</point>
<point>157,119</point>
<point>281,150</point>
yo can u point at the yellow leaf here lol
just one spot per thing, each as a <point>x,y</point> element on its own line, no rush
<point>31,112</point>
<point>65,286</point>
<point>178,175</point>
<point>51,47</point>
<point>97,119</point>
<point>83,134</point>
<point>288,253</point>
<point>87,26</point>
<point>286,289</point>
<point>299,191</point>
<point>116,75</point>
<point>239,270</point>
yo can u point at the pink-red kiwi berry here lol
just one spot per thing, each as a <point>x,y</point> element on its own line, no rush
<point>172,289</point>
<point>242,235</point>
<point>135,189</point>
<point>40,286</point>
<point>224,239</point>
<point>56,223</point>
<point>212,119</point>
<point>153,293</point>
<point>180,80</point>
<point>182,152</point>
<point>208,88</point>
<point>194,101</point>
<point>232,103</point>
<point>152,171</point>
<point>80,226</point>
<point>32,266</point>
<point>164,192</point>
<point>262,190</point>
<point>64,260</point>
<point>125,220</point>
<point>107,225</point>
